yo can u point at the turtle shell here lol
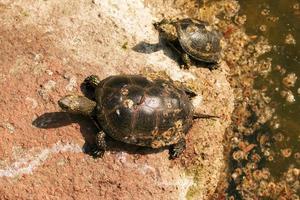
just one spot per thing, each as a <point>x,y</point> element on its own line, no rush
<point>199,40</point>
<point>137,111</point>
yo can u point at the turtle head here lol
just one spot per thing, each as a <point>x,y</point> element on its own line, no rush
<point>166,29</point>
<point>77,105</point>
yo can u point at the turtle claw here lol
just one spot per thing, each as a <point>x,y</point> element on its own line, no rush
<point>96,152</point>
<point>213,66</point>
<point>177,149</point>
<point>174,154</point>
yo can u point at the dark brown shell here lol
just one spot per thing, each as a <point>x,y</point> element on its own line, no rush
<point>198,40</point>
<point>135,110</point>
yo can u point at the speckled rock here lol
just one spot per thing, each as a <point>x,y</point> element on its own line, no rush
<point>47,49</point>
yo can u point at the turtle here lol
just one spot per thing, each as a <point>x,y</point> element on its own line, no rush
<point>135,110</point>
<point>192,38</point>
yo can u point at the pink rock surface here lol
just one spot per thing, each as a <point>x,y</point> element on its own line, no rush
<point>47,49</point>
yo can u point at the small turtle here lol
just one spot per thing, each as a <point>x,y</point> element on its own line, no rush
<point>192,38</point>
<point>135,110</point>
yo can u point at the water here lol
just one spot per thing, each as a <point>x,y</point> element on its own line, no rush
<point>275,20</point>
<point>279,22</point>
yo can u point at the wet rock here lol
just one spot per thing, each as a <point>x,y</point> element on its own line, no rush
<point>263,28</point>
<point>288,95</point>
<point>265,12</point>
<point>289,80</point>
<point>281,69</point>
<point>240,20</point>
<point>286,152</point>
<point>289,39</point>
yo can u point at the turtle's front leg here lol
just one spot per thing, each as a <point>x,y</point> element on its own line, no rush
<point>177,149</point>
<point>186,60</point>
<point>213,66</point>
<point>100,147</point>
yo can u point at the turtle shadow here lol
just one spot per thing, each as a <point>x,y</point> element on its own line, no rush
<point>168,49</point>
<point>162,45</point>
<point>88,131</point>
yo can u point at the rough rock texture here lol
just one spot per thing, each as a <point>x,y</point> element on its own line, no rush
<point>47,49</point>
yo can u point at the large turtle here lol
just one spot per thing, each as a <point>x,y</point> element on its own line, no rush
<point>135,110</point>
<point>192,38</point>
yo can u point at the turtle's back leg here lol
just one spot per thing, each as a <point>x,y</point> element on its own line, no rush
<point>177,149</point>
<point>186,60</point>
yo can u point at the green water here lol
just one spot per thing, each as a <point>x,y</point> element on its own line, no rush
<point>283,18</point>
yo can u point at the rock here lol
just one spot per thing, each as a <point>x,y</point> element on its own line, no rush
<point>83,38</point>
<point>46,88</point>
<point>72,81</point>
<point>9,127</point>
